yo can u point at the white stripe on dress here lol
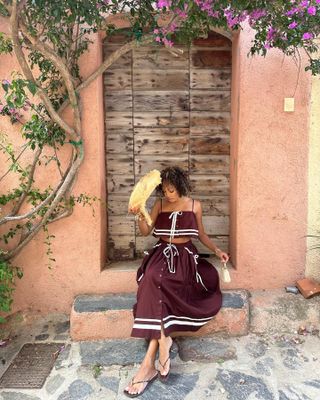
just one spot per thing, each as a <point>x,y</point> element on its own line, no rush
<point>146,326</point>
<point>176,322</point>
<point>176,234</point>
<point>187,318</point>
<point>176,230</point>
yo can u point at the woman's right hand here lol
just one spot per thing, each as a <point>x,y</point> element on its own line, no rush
<point>134,210</point>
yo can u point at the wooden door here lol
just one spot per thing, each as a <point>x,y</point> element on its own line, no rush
<point>163,110</point>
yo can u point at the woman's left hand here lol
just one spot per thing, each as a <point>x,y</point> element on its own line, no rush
<point>222,255</point>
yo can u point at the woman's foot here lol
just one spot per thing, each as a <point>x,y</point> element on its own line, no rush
<point>165,344</point>
<point>138,384</point>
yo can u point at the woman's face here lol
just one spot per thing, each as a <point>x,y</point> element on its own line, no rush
<point>170,192</point>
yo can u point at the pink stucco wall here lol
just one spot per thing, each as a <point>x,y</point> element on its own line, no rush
<point>268,186</point>
<point>271,163</point>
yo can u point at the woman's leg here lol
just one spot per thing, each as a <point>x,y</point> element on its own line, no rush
<point>165,343</point>
<point>147,369</point>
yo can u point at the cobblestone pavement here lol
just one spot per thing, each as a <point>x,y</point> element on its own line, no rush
<point>253,367</point>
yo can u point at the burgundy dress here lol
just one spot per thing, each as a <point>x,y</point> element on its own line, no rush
<point>176,288</point>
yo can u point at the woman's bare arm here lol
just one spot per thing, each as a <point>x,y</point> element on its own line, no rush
<point>145,229</point>
<point>203,237</point>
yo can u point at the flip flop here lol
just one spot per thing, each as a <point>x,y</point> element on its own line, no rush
<point>149,381</point>
<point>164,378</point>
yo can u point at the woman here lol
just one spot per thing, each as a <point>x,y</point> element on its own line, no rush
<point>178,291</point>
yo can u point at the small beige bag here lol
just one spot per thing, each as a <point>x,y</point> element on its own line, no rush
<point>225,275</point>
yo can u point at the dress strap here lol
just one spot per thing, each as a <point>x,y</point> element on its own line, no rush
<point>161,204</point>
<point>192,204</point>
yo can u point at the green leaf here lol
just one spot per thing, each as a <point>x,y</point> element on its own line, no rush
<point>5,87</point>
<point>32,87</point>
<point>76,144</point>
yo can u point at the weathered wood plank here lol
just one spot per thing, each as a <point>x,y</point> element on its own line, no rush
<point>212,131</point>
<point>117,119</point>
<point>121,184</point>
<point>119,141</point>
<point>213,40</point>
<point>206,145</point>
<point>212,119</point>
<point>210,79</point>
<point>120,164</point>
<point>160,58</point>
<point>117,38</point>
<point>210,100</point>
<point>119,225</point>
<point>117,79</point>
<point>200,165</point>
<point>118,101</point>
<point>211,59</point>
<point>161,132</point>
<point>160,144</point>
<point>216,225</point>
<point>161,118</point>
<point>214,205</point>
<point>121,248</point>
<point>144,164</point>
<point>209,185</point>
<point>146,100</point>
<point>117,204</point>
<point>160,79</point>
<point>124,62</point>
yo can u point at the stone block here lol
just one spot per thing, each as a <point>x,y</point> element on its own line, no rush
<point>98,317</point>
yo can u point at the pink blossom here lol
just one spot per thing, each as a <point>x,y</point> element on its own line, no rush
<point>312,10</point>
<point>257,14</point>
<point>158,39</point>
<point>304,3</point>
<point>6,82</point>
<point>183,14</point>
<point>163,3</point>
<point>271,33</point>
<point>156,31</point>
<point>294,10</point>
<point>167,42</point>
<point>293,25</point>
<point>307,36</point>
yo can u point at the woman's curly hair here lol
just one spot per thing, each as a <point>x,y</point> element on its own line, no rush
<point>176,177</point>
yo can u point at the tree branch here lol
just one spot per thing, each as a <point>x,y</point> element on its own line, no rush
<point>28,74</point>
<point>9,169</point>
<point>58,63</point>
<point>17,207</point>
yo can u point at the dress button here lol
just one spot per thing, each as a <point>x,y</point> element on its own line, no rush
<point>159,287</point>
<point>160,301</point>
<point>160,276</point>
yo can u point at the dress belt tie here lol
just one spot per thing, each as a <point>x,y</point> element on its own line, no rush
<point>171,251</point>
<point>198,276</point>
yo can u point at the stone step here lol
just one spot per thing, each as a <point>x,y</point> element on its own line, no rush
<point>109,316</point>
